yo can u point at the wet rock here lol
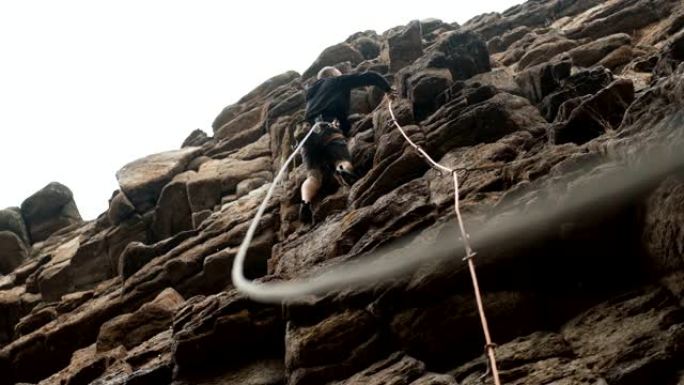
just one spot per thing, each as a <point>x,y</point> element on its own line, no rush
<point>403,46</point>
<point>48,210</point>
<point>142,180</point>
<point>596,115</point>
<point>333,55</point>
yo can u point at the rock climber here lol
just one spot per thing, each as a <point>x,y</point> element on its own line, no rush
<point>325,153</point>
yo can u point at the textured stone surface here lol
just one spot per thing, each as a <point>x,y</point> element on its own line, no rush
<point>143,295</point>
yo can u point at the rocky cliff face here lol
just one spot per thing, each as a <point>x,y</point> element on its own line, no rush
<point>554,93</point>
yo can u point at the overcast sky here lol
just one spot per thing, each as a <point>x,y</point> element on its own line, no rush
<point>88,86</point>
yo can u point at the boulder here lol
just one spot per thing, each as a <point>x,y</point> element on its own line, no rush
<point>664,224</point>
<point>333,55</point>
<point>463,53</point>
<point>120,208</point>
<point>424,88</point>
<point>196,139</point>
<point>403,46</point>
<point>13,252</point>
<point>173,214</point>
<point>48,210</point>
<point>142,180</point>
<point>11,220</point>
<point>240,123</point>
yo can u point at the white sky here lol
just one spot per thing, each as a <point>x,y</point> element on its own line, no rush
<point>87,86</point>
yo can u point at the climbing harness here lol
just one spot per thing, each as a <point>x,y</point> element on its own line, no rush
<point>490,347</point>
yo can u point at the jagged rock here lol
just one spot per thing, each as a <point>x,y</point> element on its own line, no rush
<point>592,52</point>
<point>173,214</point>
<point>247,185</point>
<point>500,78</point>
<point>368,45</point>
<point>142,180</point>
<point>196,139</point>
<point>13,252</point>
<point>539,81</point>
<point>14,304</point>
<point>240,123</point>
<point>403,46</point>
<point>269,86</point>
<point>398,368</point>
<point>545,51</point>
<point>120,208</point>
<point>222,328</point>
<point>622,18</point>
<point>48,210</point>
<point>132,329</point>
<point>463,53</point>
<point>423,89</point>
<point>585,82</point>
<point>487,121</point>
<point>630,340</point>
<point>11,220</point>
<point>328,350</point>
<point>596,115</point>
<point>35,320</point>
<point>333,55</point>
<point>230,172</point>
<point>617,58</point>
<point>500,44</point>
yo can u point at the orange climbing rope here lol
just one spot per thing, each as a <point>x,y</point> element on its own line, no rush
<point>490,347</point>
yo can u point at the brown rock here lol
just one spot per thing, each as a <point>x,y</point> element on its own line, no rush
<point>333,55</point>
<point>120,208</point>
<point>539,81</point>
<point>545,51</point>
<point>596,115</point>
<point>132,329</point>
<point>594,51</point>
<point>11,220</point>
<point>403,46</point>
<point>13,252</point>
<point>240,123</point>
<point>142,180</point>
<point>48,210</point>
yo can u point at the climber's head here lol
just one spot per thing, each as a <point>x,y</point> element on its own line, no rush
<point>328,72</point>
